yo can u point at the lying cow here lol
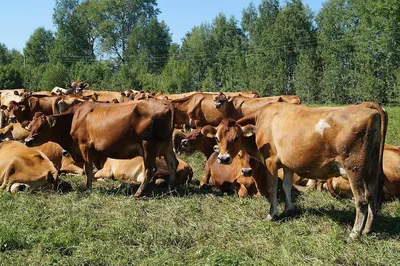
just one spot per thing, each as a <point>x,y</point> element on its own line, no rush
<point>132,171</point>
<point>91,132</point>
<point>346,141</point>
<point>20,164</point>
<point>391,168</point>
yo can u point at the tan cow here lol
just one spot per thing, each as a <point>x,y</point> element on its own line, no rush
<point>132,171</point>
<point>60,157</point>
<point>106,96</point>
<point>20,164</point>
<point>91,132</point>
<point>7,96</point>
<point>314,143</point>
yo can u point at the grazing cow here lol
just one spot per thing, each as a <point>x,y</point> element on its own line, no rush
<point>244,174</point>
<point>92,132</point>
<point>132,171</point>
<point>20,164</point>
<point>340,187</point>
<point>238,107</point>
<point>342,141</point>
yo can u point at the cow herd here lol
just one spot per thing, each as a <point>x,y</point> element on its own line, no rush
<point>249,142</point>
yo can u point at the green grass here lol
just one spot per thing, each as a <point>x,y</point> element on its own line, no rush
<point>107,227</point>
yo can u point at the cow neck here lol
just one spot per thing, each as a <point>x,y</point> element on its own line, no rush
<point>181,109</point>
<point>208,148</point>
<point>61,130</point>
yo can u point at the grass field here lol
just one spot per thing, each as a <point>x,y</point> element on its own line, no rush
<point>106,227</point>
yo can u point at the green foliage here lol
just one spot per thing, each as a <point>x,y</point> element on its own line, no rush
<point>53,75</point>
<point>38,47</point>
<point>10,77</point>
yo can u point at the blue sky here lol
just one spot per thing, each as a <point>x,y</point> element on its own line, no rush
<point>19,18</point>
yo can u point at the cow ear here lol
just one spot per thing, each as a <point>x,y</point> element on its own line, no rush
<point>248,130</point>
<point>4,107</point>
<point>51,121</point>
<point>16,93</point>
<point>85,85</point>
<point>123,94</point>
<point>186,128</point>
<point>209,131</point>
<point>230,98</point>
<point>215,97</point>
<point>22,107</point>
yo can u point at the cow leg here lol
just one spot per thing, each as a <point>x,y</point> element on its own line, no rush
<point>373,188</point>
<point>149,162</point>
<point>272,183</point>
<point>206,177</point>
<point>287,188</point>
<point>172,163</point>
<point>360,199</point>
<point>88,158</point>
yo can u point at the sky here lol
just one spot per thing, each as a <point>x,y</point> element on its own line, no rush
<point>20,18</point>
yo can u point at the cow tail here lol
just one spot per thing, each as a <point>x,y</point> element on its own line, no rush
<point>54,105</point>
<point>380,174</point>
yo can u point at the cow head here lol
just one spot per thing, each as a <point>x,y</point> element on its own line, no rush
<point>228,136</point>
<point>40,129</point>
<point>220,100</point>
<point>245,161</point>
<point>15,111</point>
<point>194,140</point>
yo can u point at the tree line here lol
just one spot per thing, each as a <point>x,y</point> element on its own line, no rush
<point>347,53</point>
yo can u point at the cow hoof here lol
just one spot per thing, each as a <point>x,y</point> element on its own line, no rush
<point>272,218</point>
<point>354,236</point>
<point>289,213</point>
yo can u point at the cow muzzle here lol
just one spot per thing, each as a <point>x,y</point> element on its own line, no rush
<point>218,105</point>
<point>29,142</point>
<point>185,143</point>
<point>224,159</point>
<point>247,171</point>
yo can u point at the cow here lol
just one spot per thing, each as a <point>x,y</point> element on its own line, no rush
<point>244,174</point>
<point>239,106</point>
<point>314,143</point>
<point>340,187</point>
<point>14,131</point>
<point>16,95</point>
<point>197,110</point>
<point>106,96</point>
<point>91,132</point>
<point>132,171</point>
<point>20,164</point>
<point>76,87</point>
<point>197,141</point>
<point>60,158</point>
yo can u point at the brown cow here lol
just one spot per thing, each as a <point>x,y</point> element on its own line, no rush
<point>20,164</point>
<point>197,141</point>
<point>92,132</point>
<point>14,131</point>
<point>343,141</point>
<point>197,110</point>
<point>391,168</point>
<point>132,171</point>
<point>244,174</point>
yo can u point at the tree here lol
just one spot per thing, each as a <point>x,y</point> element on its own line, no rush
<point>38,47</point>
<point>119,19</point>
